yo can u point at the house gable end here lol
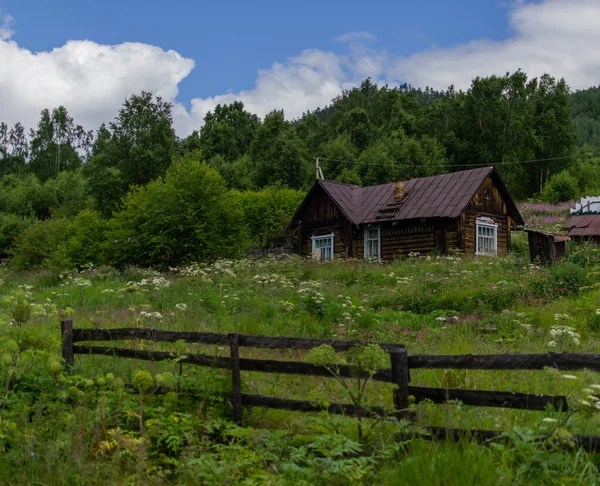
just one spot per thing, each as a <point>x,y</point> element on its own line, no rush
<point>318,207</point>
<point>492,197</point>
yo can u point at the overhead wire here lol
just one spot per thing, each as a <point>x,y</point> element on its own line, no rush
<point>550,159</point>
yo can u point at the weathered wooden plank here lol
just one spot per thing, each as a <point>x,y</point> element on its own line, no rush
<point>485,398</point>
<point>236,378</point>
<point>144,355</point>
<point>400,378</point>
<point>561,361</point>
<point>66,331</point>
<point>264,342</point>
<point>258,365</point>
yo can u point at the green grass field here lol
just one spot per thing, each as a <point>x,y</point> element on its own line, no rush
<point>84,427</point>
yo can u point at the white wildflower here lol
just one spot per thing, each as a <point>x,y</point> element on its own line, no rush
<point>569,377</point>
<point>549,420</point>
<point>181,307</point>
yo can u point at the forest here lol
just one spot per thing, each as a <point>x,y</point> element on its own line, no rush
<point>134,193</point>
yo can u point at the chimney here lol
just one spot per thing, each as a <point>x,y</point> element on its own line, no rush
<point>399,191</point>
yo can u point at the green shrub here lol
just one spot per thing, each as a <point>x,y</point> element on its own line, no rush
<point>561,188</point>
<point>11,226</point>
<point>586,254</point>
<point>567,278</point>
<point>87,240</point>
<point>267,213</point>
<point>43,244</point>
<point>187,216</point>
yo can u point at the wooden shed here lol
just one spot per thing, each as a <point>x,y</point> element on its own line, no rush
<point>469,210</point>
<point>546,248</point>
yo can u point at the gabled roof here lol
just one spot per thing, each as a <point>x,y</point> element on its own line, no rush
<point>440,196</point>
<point>587,225</point>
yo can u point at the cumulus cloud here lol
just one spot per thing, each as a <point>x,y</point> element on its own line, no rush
<point>304,82</point>
<point>92,80</point>
<point>554,36</point>
<point>359,36</point>
<point>6,23</point>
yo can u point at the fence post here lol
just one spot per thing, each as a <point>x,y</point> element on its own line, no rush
<point>66,332</point>
<point>400,377</point>
<point>236,378</point>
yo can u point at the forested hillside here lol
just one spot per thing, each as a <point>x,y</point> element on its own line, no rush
<point>135,193</point>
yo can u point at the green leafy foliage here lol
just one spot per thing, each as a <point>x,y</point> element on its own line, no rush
<point>562,187</point>
<point>184,217</point>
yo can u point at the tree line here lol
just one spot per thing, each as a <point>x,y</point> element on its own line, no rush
<point>135,193</point>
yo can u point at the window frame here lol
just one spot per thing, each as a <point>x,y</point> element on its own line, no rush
<point>365,240</point>
<point>486,222</point>
<point>330,236</point>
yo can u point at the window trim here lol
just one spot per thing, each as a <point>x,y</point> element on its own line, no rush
<point>324,237</point>
<point>486,222</point>
<point>378,228</point>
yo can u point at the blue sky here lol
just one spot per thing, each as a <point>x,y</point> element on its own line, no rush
<point>274,54</point>
<point>230,41</point>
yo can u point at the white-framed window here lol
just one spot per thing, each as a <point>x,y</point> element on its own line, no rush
<point>486,230</point>
<point>373,243</point>
<point>322,247</point>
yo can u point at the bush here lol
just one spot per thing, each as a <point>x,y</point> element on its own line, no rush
<point>586,254</point>
<point>11,226</point>
<point>567,278</point>
<point>187,216</point>
<point>561,188</point>
<point>267,213</point>
<point>85,245</point>
<point>43,244</point>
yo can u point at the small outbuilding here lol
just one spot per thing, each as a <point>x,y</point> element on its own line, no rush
<point>546,248</point>
<point>468,210</point>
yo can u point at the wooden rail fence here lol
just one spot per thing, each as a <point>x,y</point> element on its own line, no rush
<point>398,373</point>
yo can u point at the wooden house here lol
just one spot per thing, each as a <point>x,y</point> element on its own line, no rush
<point>469,210</point>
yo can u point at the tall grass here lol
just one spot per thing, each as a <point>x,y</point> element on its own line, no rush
<point>432,305</point>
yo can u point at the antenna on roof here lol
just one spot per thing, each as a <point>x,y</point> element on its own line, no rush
<point>319,172</point>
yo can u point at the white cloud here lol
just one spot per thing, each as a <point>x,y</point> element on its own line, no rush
<point>6,23</point>
<point>303,83</point>
<point>92,80</point>
<point>359,36</point>
<point>554,36</point>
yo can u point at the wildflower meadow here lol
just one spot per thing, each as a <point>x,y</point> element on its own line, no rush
<point>117,421</point>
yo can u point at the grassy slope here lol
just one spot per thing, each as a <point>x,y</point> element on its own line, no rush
<point>436,305</point>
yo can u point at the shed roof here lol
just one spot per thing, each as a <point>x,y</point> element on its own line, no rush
<point>583,225</point>
<point>440,196</point>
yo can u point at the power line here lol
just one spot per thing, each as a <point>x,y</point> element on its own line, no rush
<point>395,164</point>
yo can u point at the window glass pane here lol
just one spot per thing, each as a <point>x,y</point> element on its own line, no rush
<point>323,247</point>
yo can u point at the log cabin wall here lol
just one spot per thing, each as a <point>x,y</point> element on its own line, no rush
<point>487,202</point>
<point>404,237</point>
<point>323,217</point>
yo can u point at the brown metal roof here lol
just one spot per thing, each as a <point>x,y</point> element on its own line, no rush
<point>440,196</point>
<point>586,225</point>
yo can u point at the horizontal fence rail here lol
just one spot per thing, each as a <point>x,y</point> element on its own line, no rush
<point>264,342</point>
<point>516,361</point>
<point>561,361</point>
<point>397,374</point>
